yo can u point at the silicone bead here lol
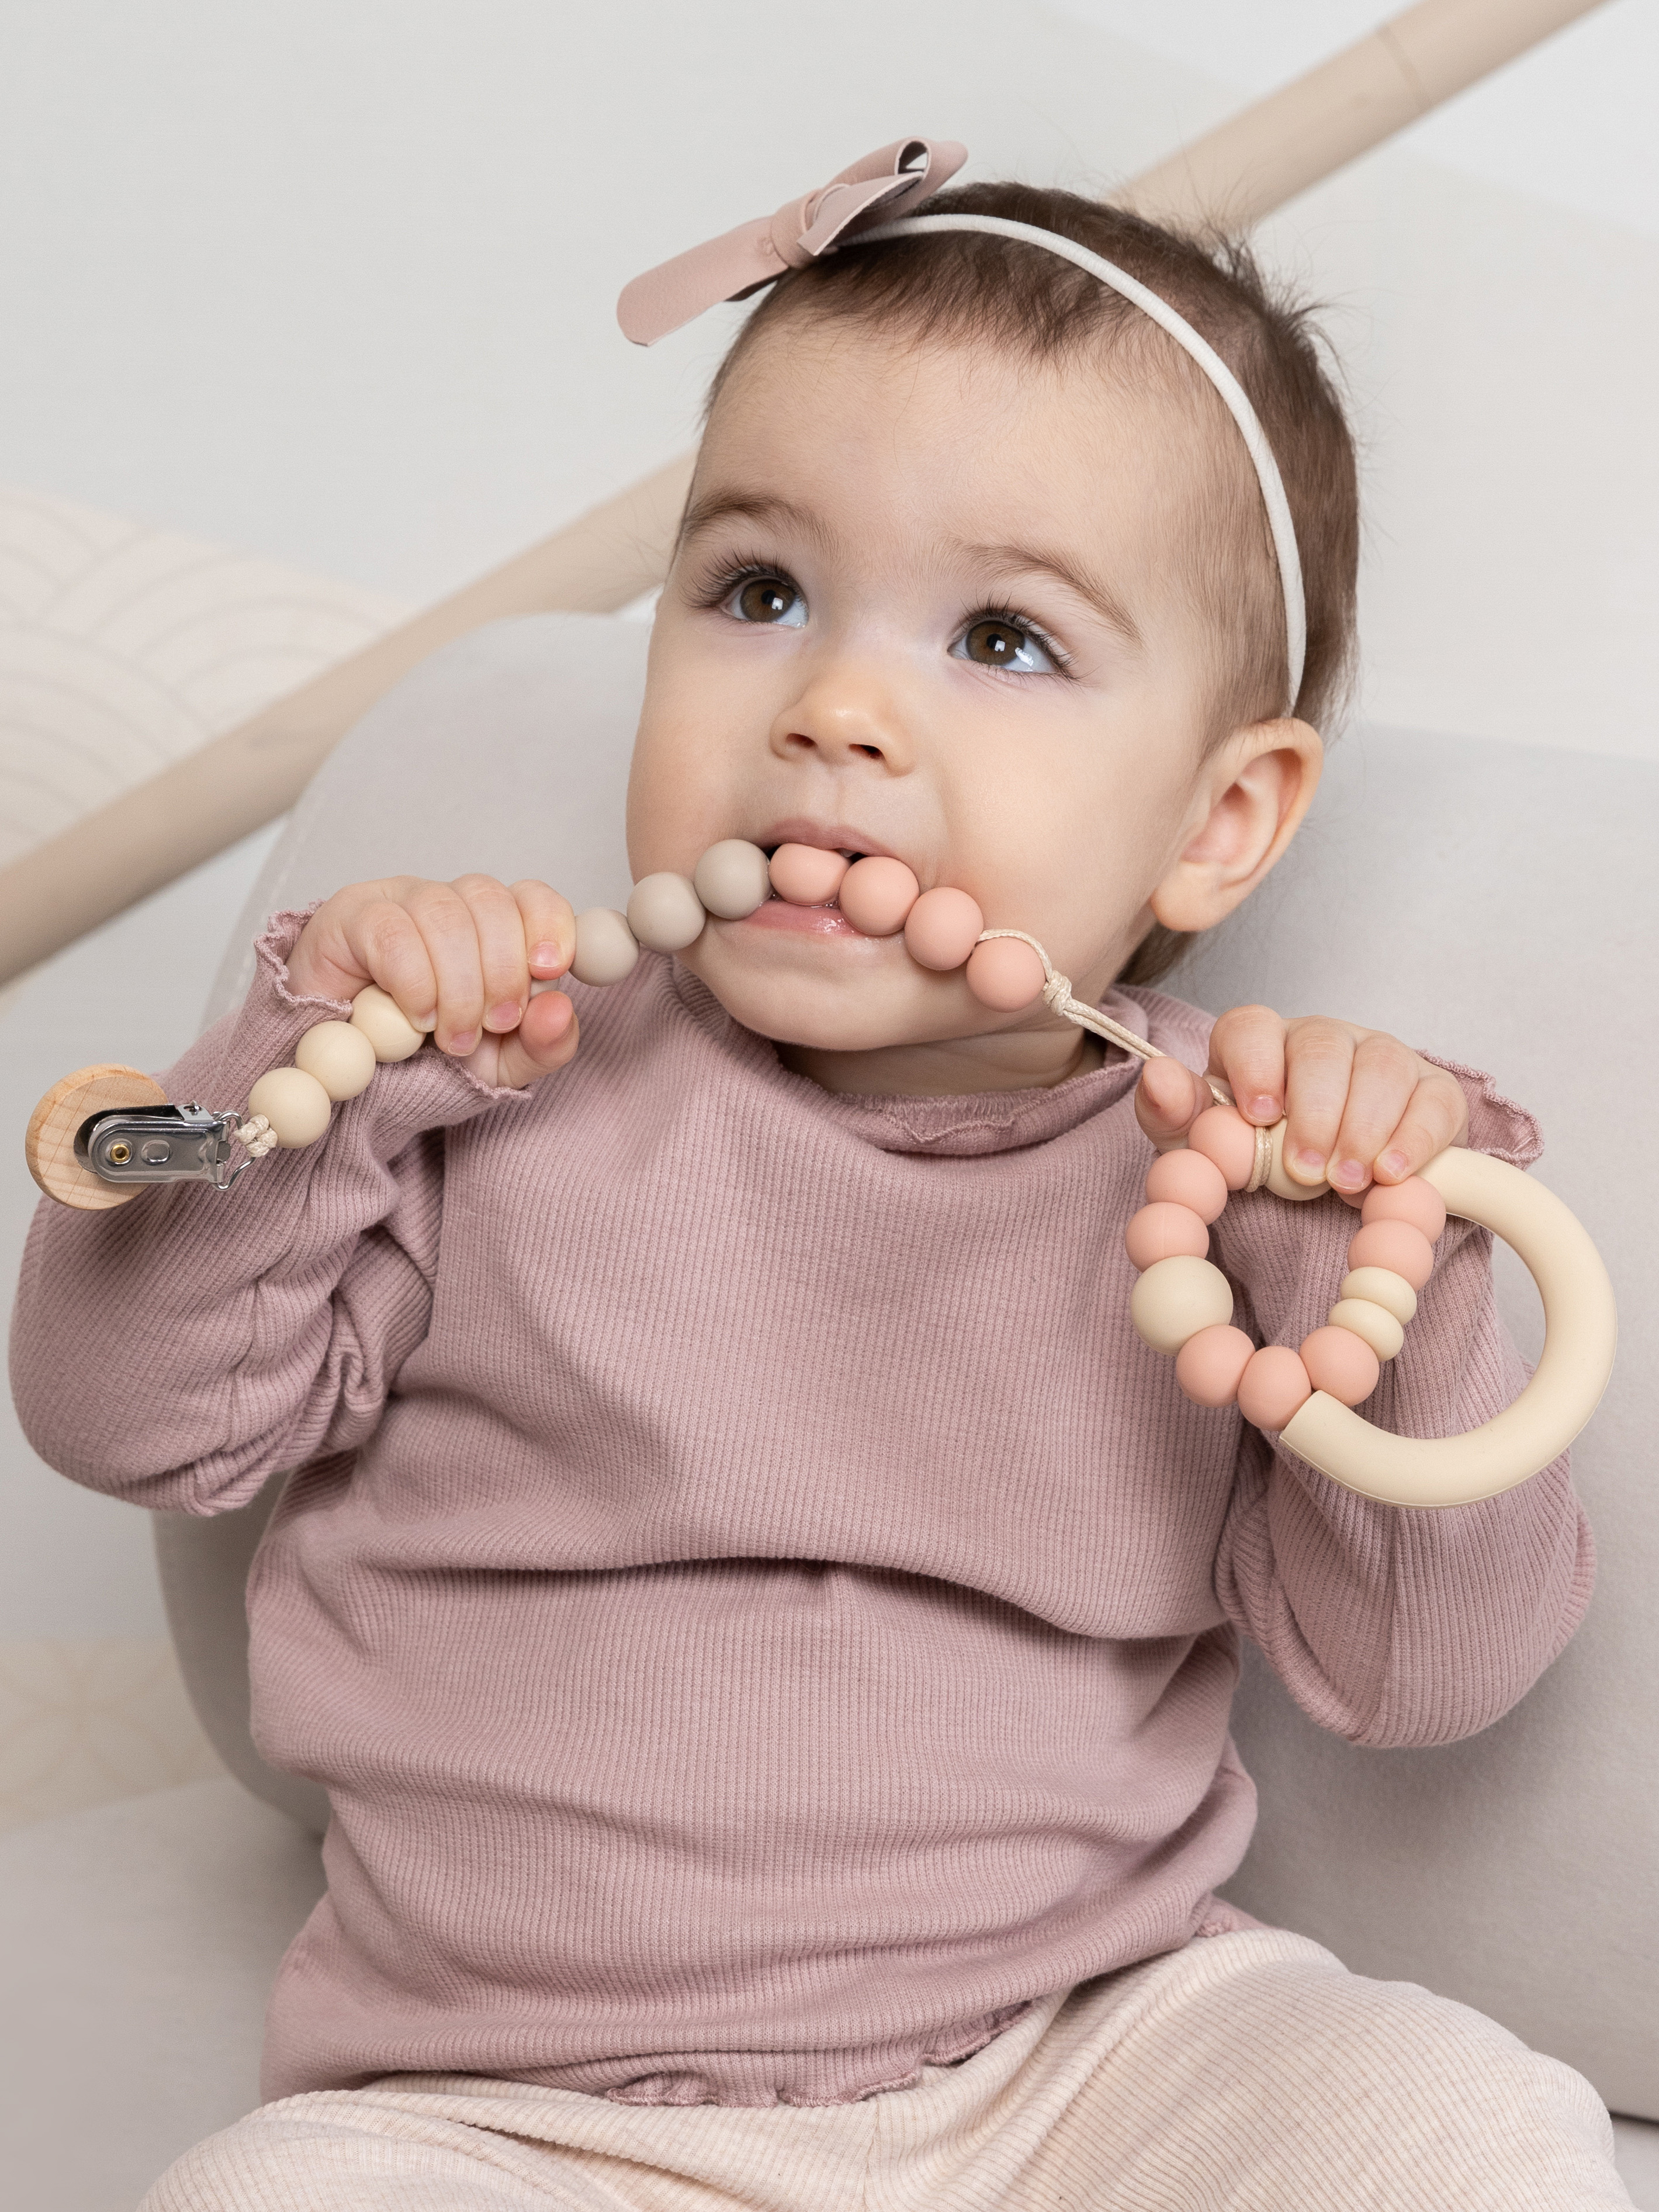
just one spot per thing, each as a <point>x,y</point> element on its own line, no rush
<point>1372,1323</point>
<point>664,912</point>
<point>1415,1201</point>
<point>1209,1366</point>
<point>1382,1287</point>
<point>1222,1134</point>
<point>607,948</point>
<point>732,878</point>
<point>1188,1178</point>
<point>1341,1365</point>
<point>942,928</point>
<point>1273,1386</point>
<point>805,875</point>
<point>877,894</point>
<point>295,1104</point>
<point>1281,1183</point>
<point>1161,1232</point>
<point>340,1057</point>
<point>1395,1245</point>
<point>385,1024</point>
<point>1005,973</point>
<point>1176,1298</point>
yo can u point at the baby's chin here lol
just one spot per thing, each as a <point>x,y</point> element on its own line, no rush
<point>846,994</point>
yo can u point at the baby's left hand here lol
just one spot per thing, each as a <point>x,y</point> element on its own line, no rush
<point>1363,1107</point>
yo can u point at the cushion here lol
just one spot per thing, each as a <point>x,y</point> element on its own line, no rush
<point>140,1940</point>
<point>1494,902</point>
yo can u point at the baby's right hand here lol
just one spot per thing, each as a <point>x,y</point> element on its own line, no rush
<point>458,958</point>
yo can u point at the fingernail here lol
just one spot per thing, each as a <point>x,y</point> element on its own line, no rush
<point>545,956</point>
<point>427,1022</point>
<point>1348,1174</point>
<point>463,1043</point>
<point>1314,1162</point>
<point>1265,1105</point>
<point>505,1015</point>
<point>1395,1163</point>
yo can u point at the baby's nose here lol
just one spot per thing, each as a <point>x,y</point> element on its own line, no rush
<point>841,728</point>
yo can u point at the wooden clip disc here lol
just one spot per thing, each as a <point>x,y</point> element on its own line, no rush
<point>49,1146</point>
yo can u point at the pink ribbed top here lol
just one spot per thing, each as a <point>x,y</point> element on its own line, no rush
<point>760,1614</point>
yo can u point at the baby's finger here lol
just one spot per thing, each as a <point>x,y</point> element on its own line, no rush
<point>501,957</point>
<point>549,928</point>
<point>386,943</point>
<point>450,937</point>
<point>544,1040</point>
<point>1167,1097</point>
<point>1380,1087</point>
<point>1437,1115</point>
<point>1318,1071</point>
<point>1247,1046</point>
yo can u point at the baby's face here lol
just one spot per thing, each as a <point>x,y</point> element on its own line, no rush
<point>928,605</point>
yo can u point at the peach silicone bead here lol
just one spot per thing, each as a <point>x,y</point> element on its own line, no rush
<point>942,928</point>
<point>295,1104</point>
<point>1176,1298</point>
<point>1415,1201</point>
<point>805,875</point>
<point>1005,973</point>
<point>1209,1365</point>
<point>340,1057</point>
<point>1222,1134</point>
<point>1394,1245</point>
<point>1273,1386</point>
<point>877,894</point>
<point>385,1023</point>
<point>1341,1365</point>
<point>1188,1178</point>
<point>1161,1232</point>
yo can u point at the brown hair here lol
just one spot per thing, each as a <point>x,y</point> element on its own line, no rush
<point>953,285</point>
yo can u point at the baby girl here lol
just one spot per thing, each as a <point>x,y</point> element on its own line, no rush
<point>765,1622</point>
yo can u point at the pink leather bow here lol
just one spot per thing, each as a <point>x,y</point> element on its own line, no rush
<point>879,189</point>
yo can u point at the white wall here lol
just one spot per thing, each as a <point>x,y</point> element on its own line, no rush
<point>333,283</point>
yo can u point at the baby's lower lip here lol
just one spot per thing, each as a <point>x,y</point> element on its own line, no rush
<point>816,920</point>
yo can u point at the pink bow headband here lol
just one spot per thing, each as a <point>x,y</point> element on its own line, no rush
<point>871,202</point>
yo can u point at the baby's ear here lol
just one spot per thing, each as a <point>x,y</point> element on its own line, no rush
<point>1249,801</point>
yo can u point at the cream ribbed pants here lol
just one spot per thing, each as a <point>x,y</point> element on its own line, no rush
<point>1249,2071</point>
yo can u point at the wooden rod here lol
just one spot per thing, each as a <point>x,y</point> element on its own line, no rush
<point>234,784</point>
<point>1258,159</point>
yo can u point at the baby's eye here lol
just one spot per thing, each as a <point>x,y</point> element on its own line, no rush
<point>768,599</point>
<point>996,642</point>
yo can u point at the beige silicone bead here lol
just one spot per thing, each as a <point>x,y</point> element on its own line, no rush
<point>295,1104</point>
<point>1282,1184</point>
<point>1374,1323</point>
<point>340,1057</point>
<point>733,879</point>
<point>385,1024</point>
<point>665,912</point>
<point>607,948</point>
<point>1382,1287</point>
<point>1176,1298</point>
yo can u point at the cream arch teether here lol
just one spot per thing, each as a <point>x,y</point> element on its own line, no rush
<point>98,1136</point>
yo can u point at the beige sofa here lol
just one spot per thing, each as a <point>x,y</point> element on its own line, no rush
<point>1493,901</point>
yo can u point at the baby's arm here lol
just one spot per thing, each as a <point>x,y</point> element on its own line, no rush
<point>180,1349</point>
<point>1391,1625</point>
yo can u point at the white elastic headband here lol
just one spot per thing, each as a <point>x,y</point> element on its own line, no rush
<point>1232,392</point>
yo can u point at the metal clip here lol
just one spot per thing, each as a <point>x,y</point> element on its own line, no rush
<point>160,1144</point>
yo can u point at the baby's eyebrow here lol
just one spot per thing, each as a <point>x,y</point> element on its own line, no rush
<point>753,506</point>
<point>1010,561</point>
